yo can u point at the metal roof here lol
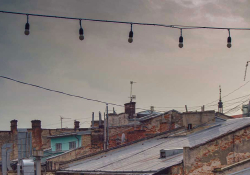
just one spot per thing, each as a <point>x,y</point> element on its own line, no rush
<point>153,115</point>
<point>242,172</point>
<point>145,156</point>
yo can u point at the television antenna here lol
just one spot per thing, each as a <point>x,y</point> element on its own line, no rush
<point>62,119</point>
<point>246,70</point>
<point>132,96</point>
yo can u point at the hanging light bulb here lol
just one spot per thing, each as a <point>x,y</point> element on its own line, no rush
<point>27,27</point>
<point>229,40</point>
<point>131,34</point>
<point>81,36</point>
<point>181,40</point>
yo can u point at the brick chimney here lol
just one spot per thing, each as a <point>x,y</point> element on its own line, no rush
<point>76,124</point>
<point>36,134</point>
<point>130,109</point>
<point>13,125</point>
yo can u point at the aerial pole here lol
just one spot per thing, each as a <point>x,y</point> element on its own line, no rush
<point>62,119</point>
<point>131,89</point>
<point>246,70</point>
<point>220,104</point>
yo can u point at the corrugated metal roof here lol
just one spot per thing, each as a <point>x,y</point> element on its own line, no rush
<point>145,156</point>
<point>242,172</point>
<point>154,114</point>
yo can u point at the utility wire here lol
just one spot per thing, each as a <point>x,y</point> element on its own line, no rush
<point>124,22</point>
<point>60,92</point>
<point>99,101</point>
<point>230,92</point>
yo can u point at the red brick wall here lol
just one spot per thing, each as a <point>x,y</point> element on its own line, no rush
<point>149,127</point>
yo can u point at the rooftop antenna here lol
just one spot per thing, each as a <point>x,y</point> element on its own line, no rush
<point>246,70</point>
<point>220,103</point>
<point>132,96</point>
<point>62,119</point>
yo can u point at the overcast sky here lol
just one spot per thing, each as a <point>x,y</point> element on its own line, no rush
<point>102,66</point>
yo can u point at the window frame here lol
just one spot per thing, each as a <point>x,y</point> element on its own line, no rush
<point>58,146</point>
<point>72,145</point>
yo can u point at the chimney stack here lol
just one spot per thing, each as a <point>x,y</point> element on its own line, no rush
<point>100,119</point>
<point>36,134</point>
<point>13,125</point>
<point>130,109</point>
<point>93,119</point>
<point>76,124</point>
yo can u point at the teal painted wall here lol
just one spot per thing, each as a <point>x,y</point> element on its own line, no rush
<point>65,142</point>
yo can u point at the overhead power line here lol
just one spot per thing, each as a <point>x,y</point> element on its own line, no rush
<point>60,92</point>
<point>130,39</point>
<point>230,92</point>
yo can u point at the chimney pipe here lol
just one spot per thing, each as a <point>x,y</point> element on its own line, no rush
<point>130,109</point>
<point>13,125</point>
<point>100,119</point>
<point>76,124</point>
<point>36,134</point>
<point>93,119</point>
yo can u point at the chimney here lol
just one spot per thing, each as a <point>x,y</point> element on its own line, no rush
<point>100,119</point>
<point>152,108</point>
<point>76,124</point>
<point>130,109</point>
<point>36,134</point>
<point>13,125</point>
<point>93,119</point>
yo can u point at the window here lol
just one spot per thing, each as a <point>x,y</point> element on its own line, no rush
<point>58,147</point>
<point>72,145</point>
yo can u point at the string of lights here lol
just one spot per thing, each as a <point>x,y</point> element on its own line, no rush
<point>131,34</point>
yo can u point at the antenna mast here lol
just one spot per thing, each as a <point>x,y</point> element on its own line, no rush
<point>62,119</point>
<point>132,96</point>
<point>246,70</point>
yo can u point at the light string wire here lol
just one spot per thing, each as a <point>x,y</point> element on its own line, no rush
<point>125,22</point>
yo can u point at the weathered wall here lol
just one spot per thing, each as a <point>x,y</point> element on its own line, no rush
<point>118,120</point>
<point>198,118</point>
<point>148,127</point>
<point>218,153</point>
<point>9,137</point>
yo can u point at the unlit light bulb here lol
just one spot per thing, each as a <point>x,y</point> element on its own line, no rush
<point>27,29</point>
<point>181,42</point>
<point>81,37</point>
<point>130,38</point>
<point>229,40</point>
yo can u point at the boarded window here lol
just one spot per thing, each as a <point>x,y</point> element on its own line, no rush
<point>58,147</point>
<point>72,145</point>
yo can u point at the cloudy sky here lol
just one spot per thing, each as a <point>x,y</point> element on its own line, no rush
<point>101,66</point>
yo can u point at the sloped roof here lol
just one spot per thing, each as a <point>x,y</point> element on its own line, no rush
<point>154,114</point>
<point>237,116</point>
<point>65,134</point>
<point>143,157</point>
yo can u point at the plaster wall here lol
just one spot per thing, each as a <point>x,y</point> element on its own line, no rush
<point>65,142</point>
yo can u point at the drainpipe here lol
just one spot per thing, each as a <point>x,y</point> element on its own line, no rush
<point>77,141</point>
